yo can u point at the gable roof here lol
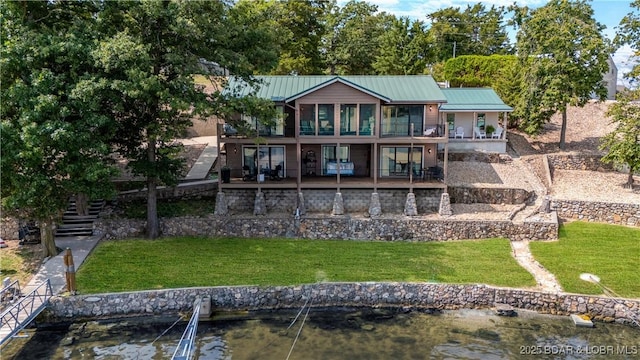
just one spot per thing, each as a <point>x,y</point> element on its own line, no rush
<point>473,99</point>
<point>388,88</point>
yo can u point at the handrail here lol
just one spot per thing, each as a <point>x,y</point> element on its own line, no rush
<point>10,291</point>
<point>184,351</point>
<point>28,306</point>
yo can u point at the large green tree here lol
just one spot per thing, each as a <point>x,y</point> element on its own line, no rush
<point>403,48</point>
<point>353,34</point>
<point>148,56</point>
<point>623,144</point>
<point>563,55</point>
<point>475,30</point>
<point>54,142</point>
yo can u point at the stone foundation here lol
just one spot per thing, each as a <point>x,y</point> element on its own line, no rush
<point>418,295</point>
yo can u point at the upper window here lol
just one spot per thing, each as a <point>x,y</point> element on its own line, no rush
<point>398,120</point>
<point>481,120</point>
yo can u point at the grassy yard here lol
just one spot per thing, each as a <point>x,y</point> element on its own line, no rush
<point>608,251</point>
<point>129,265</point>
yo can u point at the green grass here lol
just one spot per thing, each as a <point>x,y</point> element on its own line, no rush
<point>609,251</point>
<point>131,265</point>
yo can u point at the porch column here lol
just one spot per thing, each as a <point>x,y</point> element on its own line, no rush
<point>299,162</point>
<point>375,166</point>
<point>338,162</point>
<point>260,204</point>
<point>410,206</point>
<point>473,126</point>
<point>302,210</point>
<point>374,206</point>
<point>222,207</point>
<point>445,205</point>
<point>338,205</point>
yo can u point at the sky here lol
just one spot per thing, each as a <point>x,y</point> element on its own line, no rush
<point>606,12</point>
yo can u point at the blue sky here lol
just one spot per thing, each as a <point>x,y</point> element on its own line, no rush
<point>606,12</point>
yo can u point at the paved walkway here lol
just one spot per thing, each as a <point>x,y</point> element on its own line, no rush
<point>546,281</point>
<point>201,167</point>
<point>54,269</point>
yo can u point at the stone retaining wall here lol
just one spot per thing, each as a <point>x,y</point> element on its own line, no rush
<point>472,195</point>
<point>419,295</point>
<point>604,212</point>
<point>338,227</point>
<point>577,162</point>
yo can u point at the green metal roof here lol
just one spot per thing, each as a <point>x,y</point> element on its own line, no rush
<point>473,99</point>
<point>409,88</point>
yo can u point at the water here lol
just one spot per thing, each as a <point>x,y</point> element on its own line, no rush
<point>336,334</point>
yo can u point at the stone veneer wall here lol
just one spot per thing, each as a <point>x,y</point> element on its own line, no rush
<point>604,212</point>
<point>339,227</point>
<point>419,295</point>
<point>577,162</point>
<point>471,195</point>
<point>321,200</point>
<point>9,228</point>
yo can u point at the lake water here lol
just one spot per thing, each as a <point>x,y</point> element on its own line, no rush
<point>336,334</point>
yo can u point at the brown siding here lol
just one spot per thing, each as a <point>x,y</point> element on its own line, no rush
<point>338,93</point>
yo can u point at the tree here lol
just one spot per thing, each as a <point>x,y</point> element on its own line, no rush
<point>53,144</point>
<point>563,55</point>
<point>623,144</point>
<point>300,27</point>
<point>403,49</point>
<point>629,33</point>
<point>147,59</point>
<point>474,31</point>
<point>353,33</point>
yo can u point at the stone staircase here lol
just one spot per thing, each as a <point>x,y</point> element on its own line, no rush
<point>79,225</point>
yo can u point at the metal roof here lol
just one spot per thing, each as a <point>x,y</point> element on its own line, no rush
<point>473,99</point>
<point>389,88</point>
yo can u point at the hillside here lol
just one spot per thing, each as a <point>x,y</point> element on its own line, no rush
<point>585,127</point>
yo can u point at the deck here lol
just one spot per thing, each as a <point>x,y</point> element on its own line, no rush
<point>331,182</point>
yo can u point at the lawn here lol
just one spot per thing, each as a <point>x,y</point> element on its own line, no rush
<point>129,265</point>
<point>608,251</point>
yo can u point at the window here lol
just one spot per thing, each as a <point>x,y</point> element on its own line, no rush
<point>278,124</point>
<point>330,155</point>
<point>397,120</point>
<point>481,121</point>
<point>367,119</point>
<point>397,161</point>
<point>348,121</point>
<point>307,119</point>
<point>265,159</point>
<point>325,119</point>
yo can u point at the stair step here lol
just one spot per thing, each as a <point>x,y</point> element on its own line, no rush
<point>76,226</point>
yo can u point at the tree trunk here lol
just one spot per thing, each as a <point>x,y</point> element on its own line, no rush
<point>152,202</point>
<point>82,204</point>
<point>47,238</point>
<point>629,184</point>
<point>563,129</point>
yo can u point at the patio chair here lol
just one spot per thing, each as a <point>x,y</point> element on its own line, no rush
<point>480,134</point>
<point>247,175</point>
<point>497,134</point>
<point>275,173</point>
<point>459,133</point>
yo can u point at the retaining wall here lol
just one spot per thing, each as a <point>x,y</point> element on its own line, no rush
<point>604,212</point>
<point>339,227</point>
<point>419,295</point>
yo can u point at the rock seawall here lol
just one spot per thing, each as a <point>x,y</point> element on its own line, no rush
<point>418,295</point>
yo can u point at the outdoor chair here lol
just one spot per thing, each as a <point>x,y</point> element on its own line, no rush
<point>247,174</point>
<point>480,134</point>
<point>275,173</point>
<point>497,134</point>
<point>459,133</point>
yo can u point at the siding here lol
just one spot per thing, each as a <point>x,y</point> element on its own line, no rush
<point>338,94</point>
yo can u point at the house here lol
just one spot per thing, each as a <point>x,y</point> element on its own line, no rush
<point>352,139</point>
<point>469,113</point>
